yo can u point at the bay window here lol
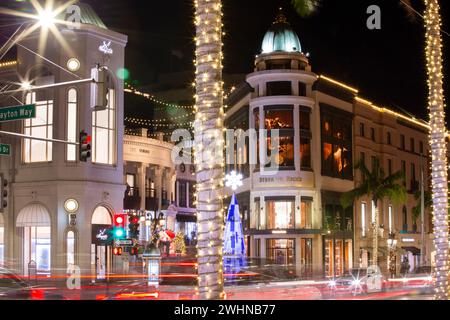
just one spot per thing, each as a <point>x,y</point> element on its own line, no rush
<point>281,118</point>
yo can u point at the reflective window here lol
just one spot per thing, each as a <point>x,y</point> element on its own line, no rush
<point>279,119</point>
<point>41,127</point>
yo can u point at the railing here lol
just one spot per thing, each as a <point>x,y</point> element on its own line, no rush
<point>132,200</point>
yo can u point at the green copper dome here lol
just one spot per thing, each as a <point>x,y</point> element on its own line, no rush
<point>281,37</point>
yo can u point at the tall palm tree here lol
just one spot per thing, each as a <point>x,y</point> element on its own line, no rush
<point>438,148</point>
<point>209,156</point>
<point>377,186</point>
<point>437,135</point>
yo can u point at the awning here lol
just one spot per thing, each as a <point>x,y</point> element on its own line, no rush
<point>415,251</point>
<point>186,218</point>
<point>33,215</point>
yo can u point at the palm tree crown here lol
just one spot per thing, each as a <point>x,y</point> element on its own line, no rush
<point>376,185</point>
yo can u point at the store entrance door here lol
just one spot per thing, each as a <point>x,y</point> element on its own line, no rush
<point>100,252</point>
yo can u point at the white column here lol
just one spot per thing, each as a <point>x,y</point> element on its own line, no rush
<point>142,176</point>
<point>297,138</point>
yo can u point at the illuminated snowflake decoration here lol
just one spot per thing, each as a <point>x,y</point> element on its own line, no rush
<point>234,180</point>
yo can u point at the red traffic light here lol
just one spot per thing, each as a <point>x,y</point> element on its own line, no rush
<point>119,220</point>
<point>134,220</point>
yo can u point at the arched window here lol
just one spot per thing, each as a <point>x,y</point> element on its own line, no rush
<point>405,219</point>
<point>42,127</point>
<point>70,248</point>
<point>72,120</point>
<point>104,133</point>
<point>101,216</point>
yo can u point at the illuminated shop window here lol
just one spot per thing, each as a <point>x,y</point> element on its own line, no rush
<point>104,133</point>
<point>363,219</point>
<point>281,251</point>
<point>306,213</point>
<point>41,127</point>
<point>280,214</point>
<point>307,257</point>
<point>281,118</point>
<point>72,120</point>
<point>336,143</point>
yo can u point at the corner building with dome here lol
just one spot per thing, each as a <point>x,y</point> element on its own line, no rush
<point>292,215</point>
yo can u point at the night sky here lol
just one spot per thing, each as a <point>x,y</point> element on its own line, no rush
<point>387,66</point>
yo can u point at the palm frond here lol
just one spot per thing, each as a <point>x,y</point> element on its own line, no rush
<point>305,7</point>
<point>397,193</point>
<point>348,198</point>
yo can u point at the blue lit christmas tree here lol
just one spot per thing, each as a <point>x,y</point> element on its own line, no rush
<point>234,236</point>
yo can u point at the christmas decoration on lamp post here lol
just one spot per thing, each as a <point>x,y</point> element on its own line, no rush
<point>209,144</point>
<point>438,148</point>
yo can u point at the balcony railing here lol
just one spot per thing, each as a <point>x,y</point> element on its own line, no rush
<point>151,201</point>
<point>132,199</point>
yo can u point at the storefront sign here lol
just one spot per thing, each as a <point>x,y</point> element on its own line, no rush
<point>106,48</point>
<point>280,180</point>
<point>101,234</point>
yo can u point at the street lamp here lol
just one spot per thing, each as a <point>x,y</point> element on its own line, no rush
<point>392,244</point>
<point>46,18</point>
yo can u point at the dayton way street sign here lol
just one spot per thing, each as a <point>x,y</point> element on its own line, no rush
<point>124,243</point>
<point>18,113</point>
<point>5,149</point>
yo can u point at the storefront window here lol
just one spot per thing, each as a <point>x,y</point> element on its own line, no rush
<point>281,251</point>
<point>338,257</point>
<point>306,214</point>
<point>37,248</point>
<point>305,153</point>
<point>280,214</point>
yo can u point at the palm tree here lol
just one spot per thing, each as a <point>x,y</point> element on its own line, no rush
<point>209,147</point>
<point>438,148</point>
<point>437,135</point>
<point>377,186</point>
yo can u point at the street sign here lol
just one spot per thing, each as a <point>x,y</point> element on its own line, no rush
<point>124,243</point>
<point>5,149</point>
<point>18,113</point>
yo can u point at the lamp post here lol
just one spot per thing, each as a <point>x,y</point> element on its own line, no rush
<point>392,244</point>
<point>152,255</point>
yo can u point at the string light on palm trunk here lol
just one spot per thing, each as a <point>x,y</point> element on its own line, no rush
<point>438,148</point>
<point>209,158</point>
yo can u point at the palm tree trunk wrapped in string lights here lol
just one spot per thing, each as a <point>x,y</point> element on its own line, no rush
<point>438,148</point>
<point>209,144</point>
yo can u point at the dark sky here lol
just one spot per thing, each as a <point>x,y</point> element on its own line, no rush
<point>387,66</point>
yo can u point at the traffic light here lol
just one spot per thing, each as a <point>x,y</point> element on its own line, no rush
<point>134,251</point>
<point>117,251</point>
<point>102,89</point>
<point>133,227</point>
<point>85,146</point>
<point>119,226</point>
<point>3,192</point>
